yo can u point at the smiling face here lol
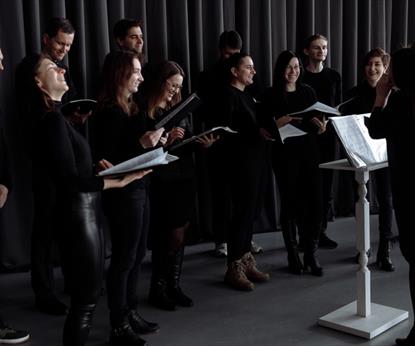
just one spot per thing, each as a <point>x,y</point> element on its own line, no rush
<point>374,69</point>
<point>51,79</point>
<point>243,74</point>
<point>134,40</point>
<point>292,71</point>
<point>135,79</point>
<point>317,50</point>
<point>57,46</point>
<point>172,87</point>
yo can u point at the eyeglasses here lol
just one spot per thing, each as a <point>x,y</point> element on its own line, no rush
<point>174,86</point>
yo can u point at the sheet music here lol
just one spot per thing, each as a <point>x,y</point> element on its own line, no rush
<point>320,107</point>
<point>360,147</point>
<point>150,159</point>
<point>289,130</point>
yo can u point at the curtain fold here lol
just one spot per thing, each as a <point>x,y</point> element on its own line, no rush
<point>186,31</point>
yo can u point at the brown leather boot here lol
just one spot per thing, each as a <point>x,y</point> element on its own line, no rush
<point>251,271</point>
<point>236,278</point>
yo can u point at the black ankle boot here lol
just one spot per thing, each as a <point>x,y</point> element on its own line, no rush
<point>294,263</point>
<point>174,291</point>
<point>310,261</point>
<point>125,336</point>
<point>77,325</point>
<point>139,325</point>
<point>158,295</point>
<point>383,259</point>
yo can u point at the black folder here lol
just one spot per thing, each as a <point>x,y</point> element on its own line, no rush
<point>178,112</point>
<point>82,106</point>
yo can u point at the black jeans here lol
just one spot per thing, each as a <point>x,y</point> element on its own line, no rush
<point>127,210</point>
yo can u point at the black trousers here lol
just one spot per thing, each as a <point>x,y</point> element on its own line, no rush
<point>83,239</point>
<point>127,211</point>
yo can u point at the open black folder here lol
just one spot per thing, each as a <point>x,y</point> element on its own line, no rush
<point>215,130</point>
<point>82,106</point>
<point>178,112</point>
<point>147,160</point>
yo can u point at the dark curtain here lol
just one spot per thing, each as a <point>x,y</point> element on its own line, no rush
<point>185,31</point>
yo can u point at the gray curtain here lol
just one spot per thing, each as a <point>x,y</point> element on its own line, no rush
<point>185,31</point>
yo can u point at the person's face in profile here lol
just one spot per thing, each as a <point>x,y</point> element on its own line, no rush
<point>1,60</point>
<point>317,50</point>
<point>134,40</point>
<point>58,46</point>
<point>244,73</point>
<point>50,78</point>
<point>135,79</point>
<point>374,69</point>
<point>226,52</point>
<point>292,71</point>
<point>172,87</point>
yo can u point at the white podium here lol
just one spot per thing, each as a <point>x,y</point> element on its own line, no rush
<point>361,317</point>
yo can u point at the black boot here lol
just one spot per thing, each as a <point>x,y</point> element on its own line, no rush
<point>311,262</point>
<point>158,288</point>
<point>311,237</point>
<point>174,291</point>
<point>77,325</point>
<point>125,336</point>
<point>289,234</point>
<point>383,260</point>
<point>139,325</point>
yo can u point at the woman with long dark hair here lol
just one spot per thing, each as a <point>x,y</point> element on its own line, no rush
<point>118,133</point>
<point>296,161</point>
<point>63,154</point>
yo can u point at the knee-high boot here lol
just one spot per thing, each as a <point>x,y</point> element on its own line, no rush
<point>158,288</point>
<point>311,234</point>
<point>77,325</point>
<point>289,234</point>
<point>174,290</point>
<point>383,260</point>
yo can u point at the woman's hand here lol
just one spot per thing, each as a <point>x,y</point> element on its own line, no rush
<point>111,183</point>
<point>320,123</point>
<point>285,119</point>
<point>175,133</point>
<point>207,140</point>
<point>3,195</point>
<point>103,165</point>
<point>151,138</point>
<point>266,135</point>
<point>383,90</point>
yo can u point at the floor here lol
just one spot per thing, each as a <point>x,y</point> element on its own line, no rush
<point>282,312</point>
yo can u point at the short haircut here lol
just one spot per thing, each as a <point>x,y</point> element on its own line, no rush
<point>230,39</point>
<point>313,38</point>
<point>56,24</point>
<point>121,28</point>
<point>377,52</point>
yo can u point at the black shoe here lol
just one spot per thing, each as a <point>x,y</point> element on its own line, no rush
<point>311,262</point>
<point>124,336</point>
<point>294,264</point>
<point>51,305</point>
<point>159,298</point>
<point>11,336</point>
<point>405,342</point>
<point>325,242</point>
<point>140,326</point>
<point>176,294</point>
<point>385,264</point>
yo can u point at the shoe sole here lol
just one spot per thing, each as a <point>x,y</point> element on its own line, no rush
<point>15,341</point>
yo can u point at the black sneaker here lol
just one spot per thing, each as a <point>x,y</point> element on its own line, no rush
<point>125,336</point>
<point>11,336</point>
<point>140,326</point>
<point>325,242</point>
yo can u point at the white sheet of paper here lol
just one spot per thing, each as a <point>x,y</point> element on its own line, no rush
<point>289,130</point>
<point>320,107</point>
<point>361,148</point>
<point>150,159</point>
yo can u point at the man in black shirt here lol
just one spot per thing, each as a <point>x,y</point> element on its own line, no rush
<point>326,82</point>
<point>128,35</point>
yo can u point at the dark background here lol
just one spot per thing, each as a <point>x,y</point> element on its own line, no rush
<point>186,31</point>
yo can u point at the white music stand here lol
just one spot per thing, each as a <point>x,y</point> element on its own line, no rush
<point>361,317</point>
